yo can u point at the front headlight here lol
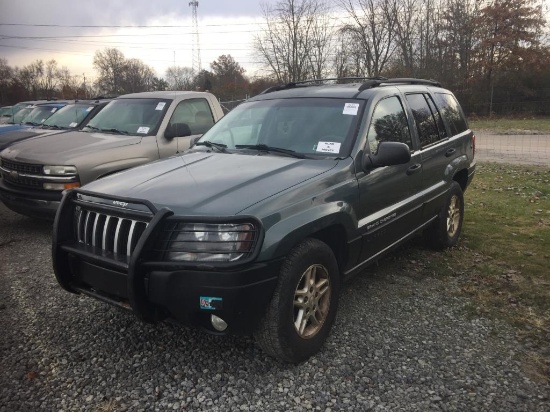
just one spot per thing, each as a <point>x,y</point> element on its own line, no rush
<point>60,170</point>
<point>210,242</point>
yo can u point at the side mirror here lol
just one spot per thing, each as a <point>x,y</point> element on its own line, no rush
<point>177,130</point>
<point>388,154</point>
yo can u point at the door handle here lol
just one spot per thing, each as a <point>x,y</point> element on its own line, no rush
<point>413,169</point>
<point>450,152</point>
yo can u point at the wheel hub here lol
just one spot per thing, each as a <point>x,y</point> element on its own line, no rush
<point>453,216</point>
<point>311,301</point>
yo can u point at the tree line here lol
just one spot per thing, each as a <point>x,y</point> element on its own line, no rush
<point>493,54</point>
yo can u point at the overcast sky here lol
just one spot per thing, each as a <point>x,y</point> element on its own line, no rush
<point>225,28</point>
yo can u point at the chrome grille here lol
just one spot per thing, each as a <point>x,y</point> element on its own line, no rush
<point>23,181</point>
<point>26,168</point>
<point>109,233</point>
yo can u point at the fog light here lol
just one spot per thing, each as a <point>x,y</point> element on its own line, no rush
<point>218,323</point>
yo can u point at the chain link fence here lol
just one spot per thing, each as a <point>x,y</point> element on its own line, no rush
<point>533,149</point>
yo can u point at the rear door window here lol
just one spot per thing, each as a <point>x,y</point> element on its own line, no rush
<point>429,124</point>
<point>452,112</point>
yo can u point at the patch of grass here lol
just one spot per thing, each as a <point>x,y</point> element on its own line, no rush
<point>503,125</point>
<point>502,261</point>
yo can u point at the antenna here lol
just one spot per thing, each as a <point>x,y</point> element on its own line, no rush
<point>196,43</point>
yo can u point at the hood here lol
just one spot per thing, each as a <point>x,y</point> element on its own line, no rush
<point>5,128</point>
<point>64,148</point>
<point>7,139</point>
<point>211,183</point>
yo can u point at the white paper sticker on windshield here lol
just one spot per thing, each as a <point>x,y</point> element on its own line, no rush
<point>42,121</point>
<point>73,124</point>
<point>329,147</point>
<point>29,106</point>
<point>54,109</point>
<point>351,109</point>
<point>89,109</point>
<point>143,129</point>
<point>160,106</point>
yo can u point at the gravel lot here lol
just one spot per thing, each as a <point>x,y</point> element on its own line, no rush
<point>399,344</point>
<point>525,149</point>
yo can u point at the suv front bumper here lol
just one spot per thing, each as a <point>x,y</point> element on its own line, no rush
<point>30,203</point>
<point>154,290</point>
<point>190,297</point>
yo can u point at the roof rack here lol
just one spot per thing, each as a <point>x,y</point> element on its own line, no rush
<point>292,85</point>
<point>398,80</point>
<point>370,82</point>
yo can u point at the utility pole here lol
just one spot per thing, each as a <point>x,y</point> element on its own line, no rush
<point>196,66</point>
<point>85,91</point>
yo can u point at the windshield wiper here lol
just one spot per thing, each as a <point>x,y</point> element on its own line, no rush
<point>114,130</point>
<point>219,146</point>
<point>52,126</point>
<point>32,123</point>
<point>93,128</point>
<point>266,148</point>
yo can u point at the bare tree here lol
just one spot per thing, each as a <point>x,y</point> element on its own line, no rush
<point>118,75</point>
<point>406,32</point>
<point>69,84</point>
<point>179,78</point>
<point>29,77</point>
<point>458,40</point>
<point>49,79</point>
<point>296,43</point>
<point>110,65</point>
<point>373,30</point>
<point>6,74</point>
<point>138,77</point>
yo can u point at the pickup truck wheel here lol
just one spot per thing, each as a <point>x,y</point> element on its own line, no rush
<point>446,229</point>
<point>302,310</point>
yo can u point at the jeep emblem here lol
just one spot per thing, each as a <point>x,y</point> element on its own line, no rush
<point>117,203</point>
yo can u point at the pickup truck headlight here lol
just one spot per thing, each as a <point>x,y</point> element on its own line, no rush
<point>210,242</point>
<point>60,170</point>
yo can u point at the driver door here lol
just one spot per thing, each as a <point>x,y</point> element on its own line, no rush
<point>191,118</point>
<point>389,208</point>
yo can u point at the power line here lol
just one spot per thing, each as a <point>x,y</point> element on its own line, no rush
<point>126,26</point>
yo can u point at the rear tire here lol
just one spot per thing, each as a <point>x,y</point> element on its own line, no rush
<point>303,308</point>
<point>446,229</point>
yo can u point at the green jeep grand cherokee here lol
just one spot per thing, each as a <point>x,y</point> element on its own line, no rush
<point>255,228</point>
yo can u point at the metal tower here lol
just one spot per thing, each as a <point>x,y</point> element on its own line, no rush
<point>196,43</point>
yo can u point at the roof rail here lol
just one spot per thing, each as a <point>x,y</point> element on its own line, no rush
<point>292,85</point>
<point>398,80</point>
<point>368,84</point>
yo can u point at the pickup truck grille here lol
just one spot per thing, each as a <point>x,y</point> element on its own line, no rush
<point>109,233</point>
<point>26,168</point>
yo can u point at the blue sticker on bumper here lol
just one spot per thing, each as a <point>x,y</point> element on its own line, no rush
<point>210,303</point>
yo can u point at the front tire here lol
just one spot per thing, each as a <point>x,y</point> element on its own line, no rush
<point>303,308</point>
<point>446,229</point>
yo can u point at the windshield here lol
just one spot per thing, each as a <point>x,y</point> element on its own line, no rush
<point>139,117</point>
<point>308,126</point>
<point>69,116</point>
<point>5,111</point>
<point>21,114</point>
<point>39,114</point>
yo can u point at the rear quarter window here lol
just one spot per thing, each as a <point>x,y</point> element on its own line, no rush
<point>452,112</point>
